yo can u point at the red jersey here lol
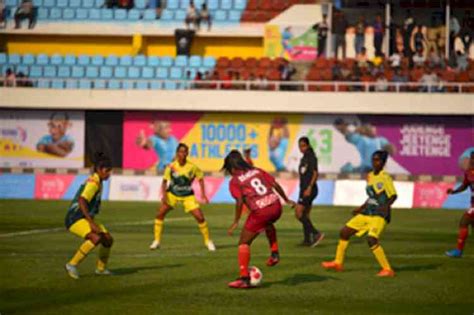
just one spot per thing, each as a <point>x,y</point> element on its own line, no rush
<point>255,186</point>
<point>469,180</point>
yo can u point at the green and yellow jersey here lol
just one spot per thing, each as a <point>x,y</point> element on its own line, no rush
<point>181,177</point>
<point>91,191</point>
<point>379,189</point>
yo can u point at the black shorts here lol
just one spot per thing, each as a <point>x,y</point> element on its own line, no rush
<point>308,201</point>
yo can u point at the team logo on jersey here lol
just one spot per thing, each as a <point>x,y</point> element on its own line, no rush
<point>303,169</point>
<point>379,185</point>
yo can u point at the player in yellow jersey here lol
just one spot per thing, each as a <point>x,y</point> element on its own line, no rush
<point>80,219</point>
<point>371,217</point>
<point>177,188</point>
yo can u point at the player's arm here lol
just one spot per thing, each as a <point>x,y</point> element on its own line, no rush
<point>360,209</point>
<point>239,203</point>
<point>282,194</point>
<point>143,142</point>
<point>386,206</point>
<point>461,188</point>
<point>57,149</point>
<point>200,177</point>
<point>164,184</point>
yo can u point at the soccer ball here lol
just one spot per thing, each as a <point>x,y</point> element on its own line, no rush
<point>255,276</point>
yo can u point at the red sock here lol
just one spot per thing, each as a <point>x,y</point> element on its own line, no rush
<point>244,259</point>
<point>462,236</point>
<point>272,238</point>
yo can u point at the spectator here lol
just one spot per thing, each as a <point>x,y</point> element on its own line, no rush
<point>25,11</point>
<point>454,29</point>
<point>461,61</point>
<point>187,80</point>
<point>362,59</point>
<point>227,80</point>
<point>408,26</point>
<point>238,85</point>
<point>251,82</point>
<point>419,59</point>
<point>214,79</point>
<point>399,45</point>
<point>360,34</point>
<point>339,29</point>
<point>337,71</point>
<point>10,78</point>
<point>434,59</point>
<point>126,4</point>
<point>466,32</point>
<point>322,29</point>
<point>398,77</point>
<point>155,4</point>
<point>429,80</point>
<point>379,31</point>
<point>395,60</point>
<point>381,84</point>
<point>418,39</point>
<point>204,16</point>
<point>3,14</point>
<point>192,16</point>
<point>287,70</point>
<point>262,82</point>
<point>23,80</point>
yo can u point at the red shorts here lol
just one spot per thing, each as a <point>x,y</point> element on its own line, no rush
<point>258,220</point>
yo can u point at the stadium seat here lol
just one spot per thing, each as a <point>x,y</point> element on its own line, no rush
<point>62,3</point>
<point>180,15</point>
<point>11,3</point>
<point>213,4</point>
<point>83,60</point>
<point>128,85</point>
<point>99,3</point>
<point>156,85</point>
<point>68,14</point>
<point>226,4</point>
<point>184,4</point>
<point>77,72</point>
<point>57,84</point>
<point>3,58</point>
<point>106,14</point>
<point>88,4</point>
<point>99,84</point>
<point>173,4</point>
<point>55,14</point>
<point>22,68</point>
<point>133,15</point>
<point>113,85</point>
<point>142,85</point>
<point>111,60</point>
<point>49,3</point>
<point>176,73</point>
<point>148,73</point>
<point>64,71</point>
<point>97,60</point>
<point>181,61</point>
<point>84,84</point>
<point>234,16</point>
<point>220,16</point>
<point>120,14</point>
<point>120,72</point>
<point>153,61</point>
<point>38,3</point>
<point>166,15</point>
<point>92,72</point>
<point>36,72</point>
<point>140,4</point>
<point>166,61</point>
<point>43,84</point>
<point>43,13</point>
<point>149,15</point>
<point>14,59</point>
<point>139,60</point>
<point>72,84</point>
<point>28,59</point>
<point>70,60</point>
<point>94,14</point>
<point>41,59</point>
<point>161,73</point>
<point>240,4</point>
<point>195,61</point>
<point>74,3</point>
<point>105,72</point>
<point>82,14</point>
<point>126,61</point>
<point>49,71</point>
<point>170,85</point>
<point>134,72</point>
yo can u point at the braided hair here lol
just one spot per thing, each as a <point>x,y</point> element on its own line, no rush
<point>235,160</point>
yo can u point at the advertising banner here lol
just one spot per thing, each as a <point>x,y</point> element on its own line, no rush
<point>292,42</point>
<point>17,186</point>
<point>343,143</point>
<point>41,138</point>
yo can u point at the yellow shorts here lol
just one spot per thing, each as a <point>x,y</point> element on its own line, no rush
<point>189,202</point>
<point>82,227</point>
<point>371,224</point>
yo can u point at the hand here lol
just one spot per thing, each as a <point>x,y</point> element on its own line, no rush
<point>307,192</point>
<point>205,200</point>
<point>141,138</point>
<point>449,191</point>
<point>232,228</point>
<point>291,203</point>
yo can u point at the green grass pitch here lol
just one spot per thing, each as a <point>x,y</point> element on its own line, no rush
<point>184,278</point>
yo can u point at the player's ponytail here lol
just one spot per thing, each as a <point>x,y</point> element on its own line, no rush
<point>101,160</point>
<point>235,160</point>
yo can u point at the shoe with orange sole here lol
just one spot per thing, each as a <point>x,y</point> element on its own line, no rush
<point>332,265</point>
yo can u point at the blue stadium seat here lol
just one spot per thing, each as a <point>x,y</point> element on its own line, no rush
<point>113,85</point>
<point>240,4</point>
<point>120,14</point>
<point>49,72</point>
<point>82,14</point>
<point>192,73</point>
<point>68,14</point>
<point>156,85</point>
<point>22,68</point>
<point>153,61</point>
<point>57,84</point>
<point>181,61</point>
<point>166,61</point>
<point>180,15</point>
<point>134,72</point>
<point>56,60</point>
<point>62,3</point>
<point>234,15</point>
<point>43,13</point>
<point>99,84</point>
<point>213,4</point>
<point>74,3</point>
<point>84,84</point>
<point>97,60</point>
<point>77,72</point>
<point>226,4</point>
<point>94,14</point>
<point>166,15</point>
<point>70,60</point>
<point>195,61</point>
<point>126,61</point>
<point>183,4</point>
<point>11,3</point>
<point>209,62</point>
<point>88,4</point>
<point>38,3</point>
<point>220,16</point>
<point>36,72</point>
<point>139,60</point>
<point>170,85</point>
<point>44,84</point>
<point>49,3</point>
<point>83,60</point>
<point>149,15</point>
<point>105,72</point>
<point>92,72</point>
<point>133,15</point>
<point>120,72</point>
<point>28,59</point>
<point>64,71</point>
<point>99,3</point>
<point>42,59</point>
<point>112,60</point>
<point>173,4</point>
<point>128,85</point>
<point>55,14</point>
<point>72,84</point>
<point>140,4</point>
<point>161,73</point>
<point>3,58</point>
<point>176,73</point>
<point>106,14</point>
<point>148,73</point>
<point>142,85</point>
<point>14,59</point>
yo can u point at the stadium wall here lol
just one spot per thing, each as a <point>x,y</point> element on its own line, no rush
<point>343,192</point>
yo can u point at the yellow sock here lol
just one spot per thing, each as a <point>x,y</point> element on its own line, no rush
<point>82,252</point>
<point>380,256</point>
<point>204,231</point>
<point>340,251</point>
<point>104,253</point>
<point>158,229</point>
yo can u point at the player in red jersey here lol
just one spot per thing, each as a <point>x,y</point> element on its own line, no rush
<point>468,216</point>
<point>256,189</point>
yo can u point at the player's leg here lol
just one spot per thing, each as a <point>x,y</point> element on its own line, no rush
<point>203,228</point>
<point>158,226</point>
<point>463,233</point>
<point>300,216</point>
<point>106,242</point>
<point>271,234</point>
<point>246,239</point>
<point>316,235</point>
<point>351,228</point>
<point>266,221</point>
<point>376,227</point>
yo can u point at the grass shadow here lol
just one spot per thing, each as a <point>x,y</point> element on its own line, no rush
<point>132,270</point>
<point>299,278</point>
<point>416,267</point>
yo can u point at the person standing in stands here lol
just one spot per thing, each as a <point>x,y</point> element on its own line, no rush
<point>192,16</point>
<point>204,16</point>
<point>322,29</point>
<point>379,31</point>
<point>25,11</point>
<point>339,29</point>
<point>360,34</point>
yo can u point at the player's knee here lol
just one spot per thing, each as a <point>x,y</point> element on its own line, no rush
<point>372,241</point>
<point>94,238</point>
<point>107,240</point>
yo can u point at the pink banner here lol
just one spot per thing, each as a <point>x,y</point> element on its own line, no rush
<point>52,186</point>
<point>430,195</point>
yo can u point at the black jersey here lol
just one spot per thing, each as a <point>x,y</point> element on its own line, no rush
<point>308,164</point>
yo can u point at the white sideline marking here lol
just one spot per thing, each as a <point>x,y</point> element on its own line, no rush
<point>43,231</point>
